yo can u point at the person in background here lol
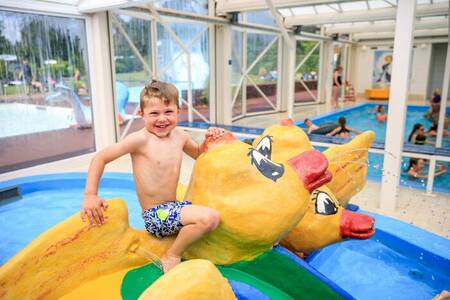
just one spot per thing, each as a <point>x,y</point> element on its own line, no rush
<point>432,132</point>
<point>380,113</point>
<point>435,104</point>
<point>418,136</point>
<point>311,126</point>
<point>337,84</point>
<point>416,166</point>
<point>343,130</point>
<point>27,76</point>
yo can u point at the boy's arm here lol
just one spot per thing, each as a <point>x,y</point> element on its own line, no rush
<point>193,149</point>
<point>92,204</point>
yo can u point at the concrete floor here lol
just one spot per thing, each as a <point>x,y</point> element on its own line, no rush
<point>413,206</point>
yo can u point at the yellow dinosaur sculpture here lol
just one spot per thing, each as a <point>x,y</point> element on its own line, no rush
<point>261,194</point>
<point>326,220</point>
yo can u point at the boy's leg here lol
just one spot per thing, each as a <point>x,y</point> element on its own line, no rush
<point>197,221</point>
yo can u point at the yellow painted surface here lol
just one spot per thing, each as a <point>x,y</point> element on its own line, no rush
<point>105,287</point>
<point>73,252</point>
<point>288,141</point>
<point>195,279</point>
<point>255,211</point>
<point>315,231</point>
<point>380,94</point>
<point>348,164</point>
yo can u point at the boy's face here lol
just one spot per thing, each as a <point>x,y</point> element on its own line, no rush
<point>160,119</point>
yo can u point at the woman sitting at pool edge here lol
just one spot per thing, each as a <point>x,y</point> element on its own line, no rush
<point>416,166</point>
<point>343,131</point>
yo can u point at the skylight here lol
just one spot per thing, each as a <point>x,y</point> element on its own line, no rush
<point>352,6</point>
<point>305,10</point>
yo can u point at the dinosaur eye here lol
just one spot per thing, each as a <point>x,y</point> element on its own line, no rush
<point>265,166</point>
<point>324,204</point>
<point>265,147</point>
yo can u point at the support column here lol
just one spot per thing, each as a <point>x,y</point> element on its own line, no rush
<point>398,98</point>
<point>100,73</point>
<point>287,76</point>
<point>212,63</point>
<point>223,74</point>
<point>320,75</point>
<point>445,85</point>
<point>326,76</point>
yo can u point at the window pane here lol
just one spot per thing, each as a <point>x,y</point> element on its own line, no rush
<point>173,64</point>
<point>262,81</point>
<point>197,6</point>
<point>306,76</point>
<point>45,90</point>
<point>131,74</point>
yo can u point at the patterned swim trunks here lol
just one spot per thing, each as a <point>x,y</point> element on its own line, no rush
<point>164,219</point>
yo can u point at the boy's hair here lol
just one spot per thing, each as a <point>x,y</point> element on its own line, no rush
<point>306,120</point>
<point>163,91</point>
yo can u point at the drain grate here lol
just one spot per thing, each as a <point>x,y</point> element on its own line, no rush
<point>10,193</point>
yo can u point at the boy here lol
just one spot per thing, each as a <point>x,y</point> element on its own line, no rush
<point>156,155</point>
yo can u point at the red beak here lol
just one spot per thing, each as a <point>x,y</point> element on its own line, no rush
<point>357,226</point>
<point>311,166</point>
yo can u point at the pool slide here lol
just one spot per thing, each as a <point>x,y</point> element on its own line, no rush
<point>81,111</point>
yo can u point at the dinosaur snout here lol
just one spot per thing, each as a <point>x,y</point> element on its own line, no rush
<point>356,225</point>
<point>311,166</point>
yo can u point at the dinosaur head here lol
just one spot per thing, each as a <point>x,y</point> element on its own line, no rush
<point>327,222</point>
<point>259,198</point>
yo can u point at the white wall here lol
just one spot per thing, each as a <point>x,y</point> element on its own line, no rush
<point>363,68</point>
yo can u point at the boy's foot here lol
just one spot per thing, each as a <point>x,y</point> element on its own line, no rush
<point>168,262</point>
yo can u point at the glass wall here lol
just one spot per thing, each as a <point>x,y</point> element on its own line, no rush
<point>198,6</point>
<point>262,49</point>
<point>307,71</point>
<point>44,91</point>
<point>132,63</point>
<point>182,44</point>
<point>254,72</point>
<point>180,49</point>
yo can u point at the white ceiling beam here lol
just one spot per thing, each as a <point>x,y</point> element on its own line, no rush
<point>229,6</point>
<point>426,10</point>
<point>279,20</point>
<point>357,28</point>
<point>390,42</point>
<point>90,6</point>
<point>388,35</point>
<point>40,6</point>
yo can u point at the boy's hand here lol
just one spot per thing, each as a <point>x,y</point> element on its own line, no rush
<point>93,207</point>
<point>214,133</point>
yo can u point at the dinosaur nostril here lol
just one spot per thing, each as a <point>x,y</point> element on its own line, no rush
<point>287,122</point>
<point>311,166</point>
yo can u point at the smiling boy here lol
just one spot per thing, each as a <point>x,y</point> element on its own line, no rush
<point>156,154</point>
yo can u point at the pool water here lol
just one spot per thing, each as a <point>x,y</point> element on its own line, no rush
<point>19,118</point>
<point>23,220</point>
<point>362,118</point>
<point>388,266</point>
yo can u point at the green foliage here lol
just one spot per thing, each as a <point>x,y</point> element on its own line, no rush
<point>312,63</point>
<point>44,38</point>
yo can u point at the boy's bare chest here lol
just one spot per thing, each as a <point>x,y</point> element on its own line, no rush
<point>163,152</point>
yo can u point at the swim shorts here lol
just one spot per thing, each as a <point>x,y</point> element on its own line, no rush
<point>164,219</point>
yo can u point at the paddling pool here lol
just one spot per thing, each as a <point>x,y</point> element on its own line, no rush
<point>400,262</point>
